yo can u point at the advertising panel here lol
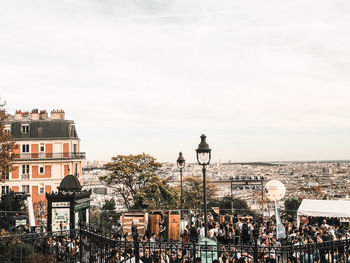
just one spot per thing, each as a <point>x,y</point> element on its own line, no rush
<point>60,216</point>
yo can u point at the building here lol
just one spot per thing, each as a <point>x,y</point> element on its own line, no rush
<point>48,149</point>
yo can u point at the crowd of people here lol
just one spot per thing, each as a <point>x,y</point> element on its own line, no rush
<point>238,236</point>
<point>239,239</point>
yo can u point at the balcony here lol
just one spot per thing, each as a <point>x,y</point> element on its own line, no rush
<point>50,156</point>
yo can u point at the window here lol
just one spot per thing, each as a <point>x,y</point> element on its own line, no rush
<point>7,128</point>
<point>41,189</point>
<point>42,147</point>
<point>5,189</point>
<point>7,176</point>
<point>41,169</point>
<point>76,169</point>
<point>25,148</point>
<point>25,189</point>
<point>25,128</point>
<point>25,169</point>
<point>72,130</point>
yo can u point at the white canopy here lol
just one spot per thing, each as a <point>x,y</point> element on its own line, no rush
<point>324,208</point>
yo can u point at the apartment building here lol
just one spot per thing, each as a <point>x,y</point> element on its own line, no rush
<point>48,149</point>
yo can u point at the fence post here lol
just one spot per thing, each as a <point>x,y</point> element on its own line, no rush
<point>136,248</point>
<point>255,249</point>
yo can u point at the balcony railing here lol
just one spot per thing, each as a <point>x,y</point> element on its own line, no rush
<point>50,156</point>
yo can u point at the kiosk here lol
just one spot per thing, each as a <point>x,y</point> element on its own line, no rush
<point>69,206</point>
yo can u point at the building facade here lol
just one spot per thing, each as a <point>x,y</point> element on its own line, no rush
<point>48,150</point>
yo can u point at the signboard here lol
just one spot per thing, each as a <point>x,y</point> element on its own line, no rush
<point>304,219</point>
<point>61,204</point>
<point>207,250</point>
<point>274,190</point>
<point>82,205</point>
<point>344,219</point>
<point>21,222</point>
<point>174,226</point>
<point>60,216</point>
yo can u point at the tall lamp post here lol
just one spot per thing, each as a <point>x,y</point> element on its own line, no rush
<point>203,158</point>
<point>181,164</point>
<point>231,179</point>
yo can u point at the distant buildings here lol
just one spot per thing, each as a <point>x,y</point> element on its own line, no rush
<point>48,149</point>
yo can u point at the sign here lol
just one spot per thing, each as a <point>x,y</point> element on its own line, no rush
<point>61,204</point>
<point>82,205</point>
<point>60,216</point>
<point>21,222</point>
<point>207,250</point>
<point>304,219</point>
<point>274,190</point>
<point>344,219</point>
<point>280,232</point>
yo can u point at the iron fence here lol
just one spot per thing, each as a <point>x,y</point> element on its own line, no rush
<point>91,244</point>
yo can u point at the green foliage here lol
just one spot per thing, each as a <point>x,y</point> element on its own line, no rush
<point>9,202</point>
<point>291,206</point>
<point>16,252</point>
<point>240,206</point>
<point>134,178</point>
<point>7,146</point>
<point>193,192</point>
<point>108,214</point>
<point>157,194</point>
<point>94,215</point>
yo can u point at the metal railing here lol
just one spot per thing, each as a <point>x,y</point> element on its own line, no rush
<point>50,156</point>
<point>91,244</point>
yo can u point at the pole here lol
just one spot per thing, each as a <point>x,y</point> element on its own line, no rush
<point>205,202</point>
<point>262,197</point>
<point>181,194</point>
<point>231,200</point>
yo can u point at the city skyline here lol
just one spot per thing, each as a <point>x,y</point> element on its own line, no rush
<point>264,81</point>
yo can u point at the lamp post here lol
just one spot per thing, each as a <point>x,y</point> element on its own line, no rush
<point>203,158</point>
<point>231,179</point>
<point>181,164</point>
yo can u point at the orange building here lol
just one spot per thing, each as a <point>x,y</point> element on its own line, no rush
<point>48,149</point>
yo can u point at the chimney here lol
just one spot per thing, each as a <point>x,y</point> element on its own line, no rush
<point>43,115</point>
<point>18,115</point>
<point>62,113</point>
<point>57,114</point>
<point>34,115</point>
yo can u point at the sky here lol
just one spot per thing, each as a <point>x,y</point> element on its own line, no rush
<point>264,80</point>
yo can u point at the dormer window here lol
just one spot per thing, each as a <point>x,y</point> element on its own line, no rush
<point>71,130</point>
<point>25,128</point>
<point>7,128</point>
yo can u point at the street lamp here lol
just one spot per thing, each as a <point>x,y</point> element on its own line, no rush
<point>231,180</point>
<point>203,158</point>
<point>181,164</point>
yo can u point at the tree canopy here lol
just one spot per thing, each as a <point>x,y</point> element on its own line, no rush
<point>193,192</point>
<point>291,206</point>
<point>135,179</point>
<point>240,206</point>
<point>7,146</point>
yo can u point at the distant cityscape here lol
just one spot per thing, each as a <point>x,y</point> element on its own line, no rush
<point>303,179</point>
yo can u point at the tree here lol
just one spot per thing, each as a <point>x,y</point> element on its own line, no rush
<point>10,205</point>
<point>108,214</point>
<point>193,192</point>
<point>291,206</point>
<point>157,194</point>
<point>133,176</point>
<point>7,146</point>
<point>240,206</point>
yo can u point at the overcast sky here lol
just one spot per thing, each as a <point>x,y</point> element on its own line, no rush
<point>264,80</point>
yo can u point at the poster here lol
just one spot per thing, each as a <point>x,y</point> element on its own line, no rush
<point>60,216</point>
